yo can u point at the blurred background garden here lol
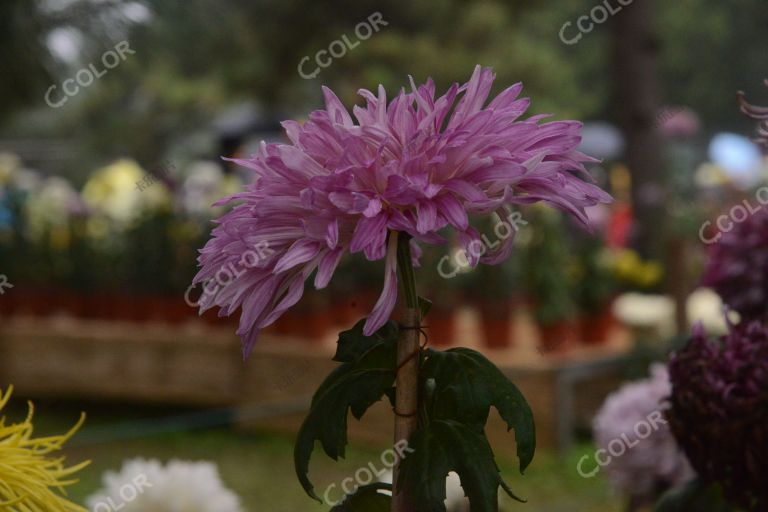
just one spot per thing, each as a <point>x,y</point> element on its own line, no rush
<point>108,180</point>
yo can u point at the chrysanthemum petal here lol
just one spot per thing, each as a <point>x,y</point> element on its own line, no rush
<point>386,303</point>
<point>327,267</point>
<point>300,252</point>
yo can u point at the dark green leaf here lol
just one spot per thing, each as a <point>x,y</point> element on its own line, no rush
<point>354,386</point>
<point>444,446</point>
<point>367,499</point>
<point>466,385</point>
<point>391,394</point>
<point>424,306</point>
<point>353,343</point>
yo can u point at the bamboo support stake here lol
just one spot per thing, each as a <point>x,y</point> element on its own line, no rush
<point>408,359</point>
<point>407,398</point>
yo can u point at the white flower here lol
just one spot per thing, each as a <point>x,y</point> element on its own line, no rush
<point>654,313</point>
<point>201,187</point>
<point>51,206</point>
<point>27,180</point>
<point>455,501</point>
<point>9,165</point>
<point>640,309</point>
<point>706,307</point>
<point>205,184</point>
<point>148,486</point>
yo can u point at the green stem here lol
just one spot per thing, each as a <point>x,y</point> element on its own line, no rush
<point>405,269</point>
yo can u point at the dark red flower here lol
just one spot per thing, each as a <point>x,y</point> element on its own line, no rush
<point>719,411</point>
<point>738,267</point>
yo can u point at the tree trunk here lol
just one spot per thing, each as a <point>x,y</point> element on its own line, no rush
<point>637,103</point>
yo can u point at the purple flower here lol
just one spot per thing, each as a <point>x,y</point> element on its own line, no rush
<point>719,412</point>
<point>737,267</point>
<point>632,417</point>
<point>412,166</point>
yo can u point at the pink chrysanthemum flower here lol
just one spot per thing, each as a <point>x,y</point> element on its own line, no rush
<point>651,459</point>
<point>416,165</point>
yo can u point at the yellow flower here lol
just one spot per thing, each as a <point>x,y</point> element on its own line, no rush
<point>59,238</point>
<point>31,480</point>
<point>650,274</point>
<point>626,263</point>
<point>630,268</point>
<point>48,209</point>
<point>9,166</point>
<point>115,192</point>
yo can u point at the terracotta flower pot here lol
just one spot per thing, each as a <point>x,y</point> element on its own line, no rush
<point>596,328</point>
<point>58,300</point>
<point>164,308</point>
<point>558,336</point>
<point>176,309</point>
<point>358,306</point>
<point>290,324</point>
<point>496,324</point>
<point>153,308</point>
<point>281,327</point>
<point>314,316</point>
<point>90,305</point>
<point>315,324</point>
<point>211,317</point>
<point>7,305</point>
<point>55,303</point>
<point>85,304</point>
<point>9,301</point>
<point>100,305</point>
<point>338,311</point>
<point>134,307</point>
<point>70,302</point>
<point>440,326</point>
<point>31,301</point>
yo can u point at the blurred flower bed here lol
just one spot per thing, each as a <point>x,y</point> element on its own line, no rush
<point>124,246</point>
<point>109,250</point>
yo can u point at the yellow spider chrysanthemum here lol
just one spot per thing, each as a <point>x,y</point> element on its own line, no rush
<point>31,480</point>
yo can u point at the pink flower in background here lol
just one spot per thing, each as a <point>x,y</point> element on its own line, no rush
<point>759,114</point>
<point>415,165</point>
<point>678,122</point>
<point>649,461</point>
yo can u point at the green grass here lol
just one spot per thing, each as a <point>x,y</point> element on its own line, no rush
<point>258,466</point>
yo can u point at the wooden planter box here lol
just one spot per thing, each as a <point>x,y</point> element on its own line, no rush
<point>199,365</point>
<point>115,360</point>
